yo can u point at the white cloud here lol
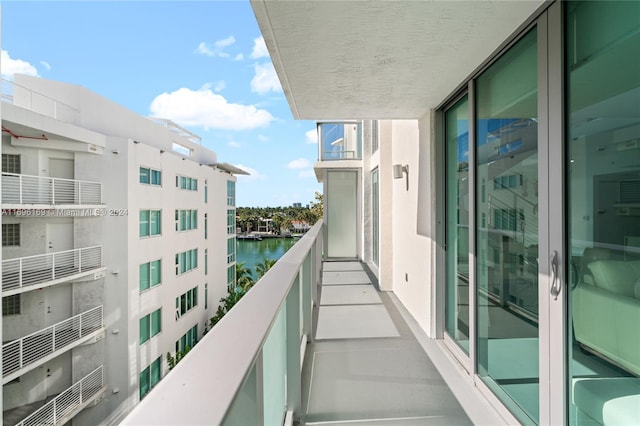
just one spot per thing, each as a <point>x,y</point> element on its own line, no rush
<point>311,136</point>
<point>253,173</point>
<point>265,80</point>
<point>259,48</point>
<point>218,49</point>
<point>220,86</point>
<point>12,66</point>
<point>207,109</point>
<point>263,138</point>
<point>234,144</point>
<point>300,163</point>
<point>309,173</point>
<point>45,64</point>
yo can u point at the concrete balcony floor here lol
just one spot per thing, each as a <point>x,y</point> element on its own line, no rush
<point>366,365</point>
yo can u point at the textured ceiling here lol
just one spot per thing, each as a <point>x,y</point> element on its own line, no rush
<point>380,59</point>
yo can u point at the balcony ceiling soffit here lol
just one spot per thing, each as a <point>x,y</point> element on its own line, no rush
<point>386,59</point>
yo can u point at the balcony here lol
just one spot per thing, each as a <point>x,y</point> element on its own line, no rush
<point>19,191</point>
<point>268,361</point>
<point>25,97</point>
<point>44,270</point>
<point>340,141</point>
<point>89,390</point>
<point>25,354</point>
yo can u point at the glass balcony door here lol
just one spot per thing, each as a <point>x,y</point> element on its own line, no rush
<point>342,214</point>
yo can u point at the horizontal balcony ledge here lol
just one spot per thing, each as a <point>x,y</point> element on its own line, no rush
<point>263,333</point>
<point>29,352</point>
<point>90,390</point>
<point>320,166</point>
<point>44,270</point>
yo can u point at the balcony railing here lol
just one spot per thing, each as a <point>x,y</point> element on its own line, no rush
<point>28,350</point>
<point>30,99</point>
<point>23,272</point>
<point>68,403</point>
<point>25,189</point>
<point>340,141</point>
<point>247,369</point>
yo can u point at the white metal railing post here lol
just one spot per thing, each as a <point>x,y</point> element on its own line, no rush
<point>53,190</point>
<point>80,325</point>
<point>53,266</point>
<point>80,192</point>
<point>81,383</point>
<point>55,412</point>
<point>20,188</point>
<point>53,338</point>
<point>80,260</point>
<point>20,349</point>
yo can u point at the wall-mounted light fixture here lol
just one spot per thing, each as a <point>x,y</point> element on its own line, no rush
<point>115,151</point>
<point>399,170</point>
<point>162,151</point>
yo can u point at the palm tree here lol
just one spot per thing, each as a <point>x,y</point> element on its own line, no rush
<point>244,278</point>
<point>264,266</point>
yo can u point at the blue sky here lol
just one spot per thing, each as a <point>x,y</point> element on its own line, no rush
<point>201,64</point>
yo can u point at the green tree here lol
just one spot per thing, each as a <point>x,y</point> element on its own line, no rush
<point>244,277</point>
<point>264,266</point>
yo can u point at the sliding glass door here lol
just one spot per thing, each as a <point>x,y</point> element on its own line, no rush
<point>457,223</point>
<point>602,166</point>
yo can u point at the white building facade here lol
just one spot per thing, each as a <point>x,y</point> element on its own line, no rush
<point>118,242</point>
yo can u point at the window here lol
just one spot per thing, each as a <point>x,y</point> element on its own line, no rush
<point>150,376</point>
<point>11,305</point>
<point>231,277</point>
<point>150,274</point>
<point>206,226</point>
<point>231,193</point>
<point>206,191</point>
<point>150,176</point>
<point>10,234</point>
<point>206,296</point>
<point>187,183</point>
<point>186,302</point>
<point>506,182</point>
<point>150,222</point>
<point>188,340</point>
<point>508,219</point>
<point>231,250</point>
<point>374,136</point>
<point>186,220</point>
<point>11,163</point>
<point>186,261</point>
<point>150,325</point>
<point>206,261</point>
<point>231,221</point>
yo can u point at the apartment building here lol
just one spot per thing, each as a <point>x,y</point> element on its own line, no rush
<point>118,240</point>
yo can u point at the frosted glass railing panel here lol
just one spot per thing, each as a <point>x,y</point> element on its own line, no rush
<point>274,369</point>
<point>340,141</point>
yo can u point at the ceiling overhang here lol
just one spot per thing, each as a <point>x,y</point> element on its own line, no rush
<point>230,168</point>
<point>381,59</point>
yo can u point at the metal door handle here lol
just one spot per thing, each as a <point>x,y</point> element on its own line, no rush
<point>556,284</point>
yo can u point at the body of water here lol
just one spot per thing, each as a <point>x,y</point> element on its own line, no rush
<point>252,252</point>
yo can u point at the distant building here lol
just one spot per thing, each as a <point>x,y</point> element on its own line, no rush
<point>118,239</point>
<point>297,205</point>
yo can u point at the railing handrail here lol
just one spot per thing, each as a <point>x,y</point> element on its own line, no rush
<point>50,178</point>
<point>247,325</point>
<point>34,256</point>
<point>10,96</point>
<point>80,315</point>
<point>79,383</point>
